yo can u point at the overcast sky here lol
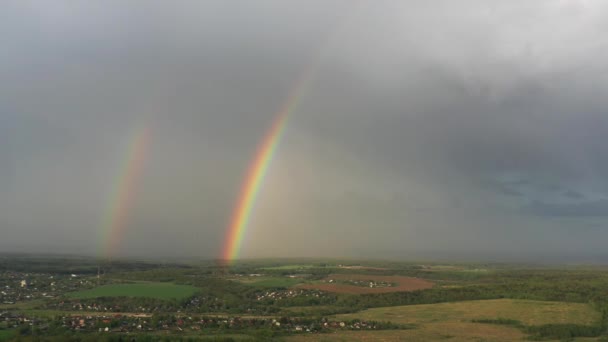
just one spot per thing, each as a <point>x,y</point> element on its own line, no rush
<point>447,129</point>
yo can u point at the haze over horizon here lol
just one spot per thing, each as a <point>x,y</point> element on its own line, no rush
<point>474,129</point>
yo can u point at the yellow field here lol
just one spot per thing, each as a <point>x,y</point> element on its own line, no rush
<point>528,312</point>
<point>452,321</point>
<point>453,332</point>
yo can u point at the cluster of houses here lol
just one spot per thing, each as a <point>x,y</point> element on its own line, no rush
<point>91,306</point>
<point>107,323</point>
<point>114,322</point>
<point>283,294</point>
<point>196,302</point>
<point>120,323</point>
<point>16,287</point>
<point>98,305</point>
<point>11,319</point>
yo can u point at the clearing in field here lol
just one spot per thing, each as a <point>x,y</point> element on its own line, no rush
<point>344,283</point>
<point>528,312</point>
<point>149,290</point>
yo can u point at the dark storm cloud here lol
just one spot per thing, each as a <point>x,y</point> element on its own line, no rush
<point>427,126</point>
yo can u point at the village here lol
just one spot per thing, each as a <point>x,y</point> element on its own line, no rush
<point>128,323</point>
<point>284,294</point>
<point>55,313</point>
<point>21,286</point>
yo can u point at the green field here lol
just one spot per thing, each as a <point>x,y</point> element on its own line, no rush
<point>22,305</point>
<point>528,312</point>
<point>276,282</point>
<point>6,335</point>
<point>288,267</point>
<point>428,332</point>
<point>454,321</point>
<point>307,309</point>
<point>148,290</point>
<point>455,332</point>
<point>269,281</point>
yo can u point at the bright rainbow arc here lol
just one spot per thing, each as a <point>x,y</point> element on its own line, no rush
<point>267,149</point>
<point>258,170</point>
<point>123,195</point>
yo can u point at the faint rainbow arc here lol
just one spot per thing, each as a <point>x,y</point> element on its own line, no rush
<point>125,188</point>
<point>259,168</point>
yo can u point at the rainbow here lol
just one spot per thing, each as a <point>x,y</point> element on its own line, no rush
<point>123,194</point>
<point>258,169</point>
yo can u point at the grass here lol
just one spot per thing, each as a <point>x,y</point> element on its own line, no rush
<point>528,312</point>
<point>307,309</point>
<point>225,337</point>
<point>270,282</point>
<point>6,335</point>
<point>288,267</point>
<point>211,338</point>
<point>164,291</point>
<point>276,282</point>
<point>22,305</point>
<point>454,321</point>
<point>429,332</point>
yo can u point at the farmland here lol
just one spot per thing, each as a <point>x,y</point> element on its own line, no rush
<point>456,321</point>
<point>287,301</point>
<point>143,290</point>
<point>528,312</point>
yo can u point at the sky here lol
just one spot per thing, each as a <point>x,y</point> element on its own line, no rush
<point>429,129</point>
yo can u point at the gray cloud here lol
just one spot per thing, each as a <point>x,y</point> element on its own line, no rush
<point>579,209</point>
<point>428,126</point>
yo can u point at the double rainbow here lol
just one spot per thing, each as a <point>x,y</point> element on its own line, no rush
<point>116,219</point>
